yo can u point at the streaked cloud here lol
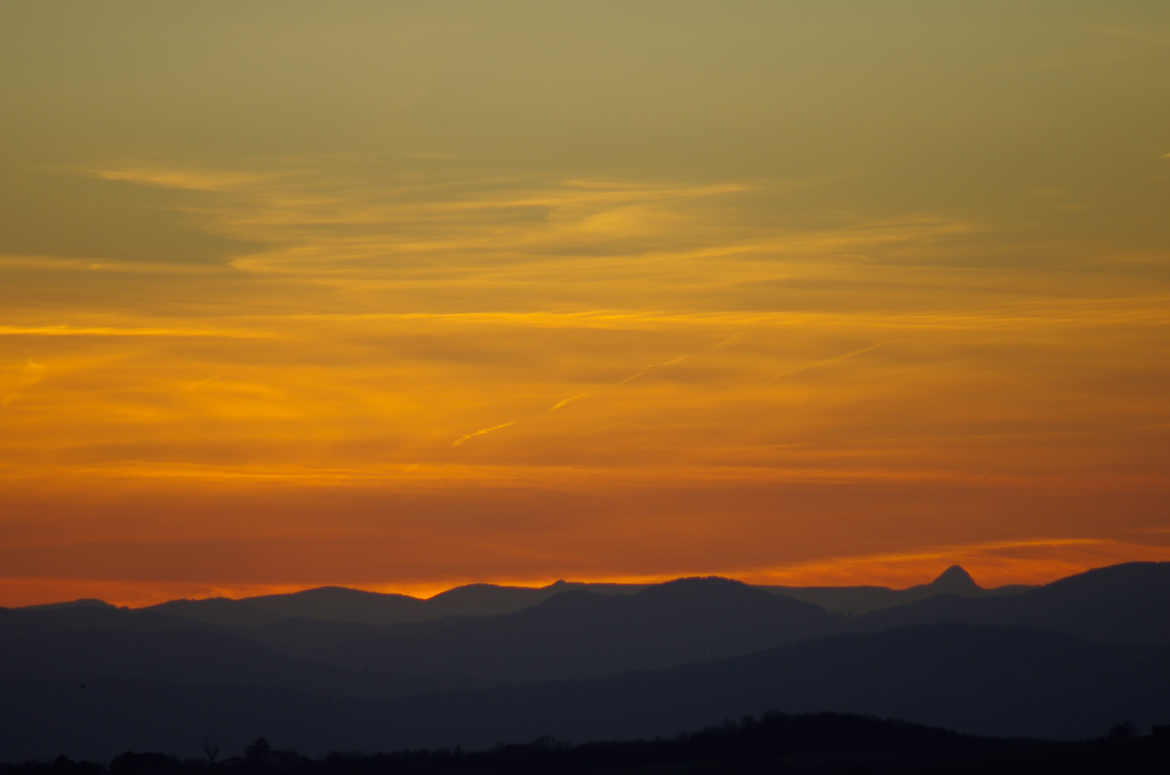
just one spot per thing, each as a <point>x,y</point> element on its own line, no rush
<point>66,330</point>
<point>992,563</point>
<point>30,374</point>
<point>775,303</point>
<point>195,180</point>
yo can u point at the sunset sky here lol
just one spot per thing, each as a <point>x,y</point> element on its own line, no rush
<point>400,295</point>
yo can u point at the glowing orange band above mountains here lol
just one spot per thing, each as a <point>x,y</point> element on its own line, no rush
<point>403,297</point>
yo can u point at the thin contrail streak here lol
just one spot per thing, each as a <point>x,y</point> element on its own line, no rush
<point>566,401</point>
<point>652,367</point>
<point>827,361</point>
<point>561,404</point>
<point>482,432</point>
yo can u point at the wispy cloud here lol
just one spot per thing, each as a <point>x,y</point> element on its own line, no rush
<point>30,374</point>
<point>55,263</point>
<point>1024,560</point>
<point>193,180</point>
<point>65,330</point>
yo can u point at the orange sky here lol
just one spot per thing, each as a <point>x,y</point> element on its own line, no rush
<point>400,297</point>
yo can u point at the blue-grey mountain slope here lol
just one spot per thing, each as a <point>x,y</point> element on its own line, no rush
<point>330,604</point>
<point>864,599</point>
<point>1120,603</point>
<point>1067,659</point>
<point>578,633</point>
<point>354,606</point>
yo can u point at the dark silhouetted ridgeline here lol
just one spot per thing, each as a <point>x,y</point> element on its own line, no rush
<point>775,742</point>
<point>1062,661</point>
<point>1127,603</point>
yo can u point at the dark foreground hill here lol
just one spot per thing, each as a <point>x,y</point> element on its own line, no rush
<point>983,681</point>
<point>975,680</point>
<point>820,743</point>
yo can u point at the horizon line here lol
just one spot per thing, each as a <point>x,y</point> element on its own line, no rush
<point>425,591</point>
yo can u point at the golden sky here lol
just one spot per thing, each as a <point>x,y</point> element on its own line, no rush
<point>405,294</point>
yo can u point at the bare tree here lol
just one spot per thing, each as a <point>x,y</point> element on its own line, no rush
<point>210,749</point>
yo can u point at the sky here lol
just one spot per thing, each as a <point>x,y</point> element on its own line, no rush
<point>401,295</point>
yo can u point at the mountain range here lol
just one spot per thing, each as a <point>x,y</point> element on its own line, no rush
<point>342,604</point>
<point>339,669</point>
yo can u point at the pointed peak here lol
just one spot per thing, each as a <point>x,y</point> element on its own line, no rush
<point>955,579</point>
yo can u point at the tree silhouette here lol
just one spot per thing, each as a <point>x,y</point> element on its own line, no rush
<point>210,749</point>
<point>258,751</point>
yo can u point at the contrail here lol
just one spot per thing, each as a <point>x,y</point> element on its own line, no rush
<point>827,361</point>
<point>566,401</point>
<point>650,368</point>
<point>482,432</point>
<point>725,342</point>
<point>624,381</point>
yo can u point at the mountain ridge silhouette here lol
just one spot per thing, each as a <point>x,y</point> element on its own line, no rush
<point>955,580</point>
<point>1053,660</point>
<point>482,598</point>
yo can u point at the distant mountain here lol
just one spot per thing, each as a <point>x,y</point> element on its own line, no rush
<point>1064,660</point>
<point>330,604</point>
<point>91,646</point>
<point>492,599</point>
<point>574,633</point>
<point>487,599</point>
<point>864,599</point>
<point>580,633</point>
<point>953,581</point>
<point>84,602</point>
<point>846,600</point>
<point>567,630</point>
<point>1120,603</point>
<point>341,604</point>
